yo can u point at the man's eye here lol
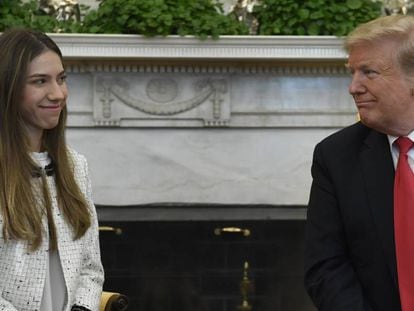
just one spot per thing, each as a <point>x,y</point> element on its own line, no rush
<point>370,72</point>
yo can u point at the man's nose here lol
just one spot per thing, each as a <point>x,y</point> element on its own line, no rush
<point>356,86</point>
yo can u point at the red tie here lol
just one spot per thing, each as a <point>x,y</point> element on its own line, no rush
<point>404,224</point>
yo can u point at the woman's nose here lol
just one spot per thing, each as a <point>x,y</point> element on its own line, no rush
<point>57,91</point>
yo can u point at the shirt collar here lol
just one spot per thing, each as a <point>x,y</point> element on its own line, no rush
<point>392,139</point>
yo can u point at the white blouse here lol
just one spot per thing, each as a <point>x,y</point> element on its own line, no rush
<point>54,291</point>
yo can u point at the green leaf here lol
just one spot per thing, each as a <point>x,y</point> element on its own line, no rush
<point>317,15</point>
<point>313,29</point>
<point>303,13</point>
<point>292,22</point>
<point>354,4</point>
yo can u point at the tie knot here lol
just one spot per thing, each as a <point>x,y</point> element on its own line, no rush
<point>404,144</point>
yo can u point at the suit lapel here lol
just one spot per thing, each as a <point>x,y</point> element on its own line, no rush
<point>378,171</point>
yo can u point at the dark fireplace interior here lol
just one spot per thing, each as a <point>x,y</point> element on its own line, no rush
<point>195,266</point>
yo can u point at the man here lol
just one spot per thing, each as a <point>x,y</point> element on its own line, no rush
<point>359,246</point>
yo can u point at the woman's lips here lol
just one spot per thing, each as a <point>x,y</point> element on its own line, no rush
<point>50,107</point>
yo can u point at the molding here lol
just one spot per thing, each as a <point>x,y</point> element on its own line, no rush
<point>249,48</point>
<point>196,212</point>
<point>316,68</point>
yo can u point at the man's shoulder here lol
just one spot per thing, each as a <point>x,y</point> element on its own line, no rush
<point>348,141</point>
<point>354,134</point>
<point>341,149</point>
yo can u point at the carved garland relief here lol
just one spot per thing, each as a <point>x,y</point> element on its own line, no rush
<point>161,101</point>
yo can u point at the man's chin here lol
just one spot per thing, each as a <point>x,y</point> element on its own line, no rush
<point>370,121</point>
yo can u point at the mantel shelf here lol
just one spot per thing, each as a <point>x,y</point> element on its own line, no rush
<point>250,48</point>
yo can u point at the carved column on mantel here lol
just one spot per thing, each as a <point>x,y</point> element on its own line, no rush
<point>235,81</point>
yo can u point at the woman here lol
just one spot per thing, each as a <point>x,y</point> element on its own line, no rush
<point>49,247</point>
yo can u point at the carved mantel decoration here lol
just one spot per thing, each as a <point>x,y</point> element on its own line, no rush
<point>159,98</point>
<point>248,81</point>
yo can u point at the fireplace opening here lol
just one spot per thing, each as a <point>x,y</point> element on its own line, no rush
<point>196,265</point>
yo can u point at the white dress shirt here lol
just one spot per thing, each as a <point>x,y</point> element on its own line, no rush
<point>395,152</point>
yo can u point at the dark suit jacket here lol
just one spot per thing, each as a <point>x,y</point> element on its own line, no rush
<point>349,244</point>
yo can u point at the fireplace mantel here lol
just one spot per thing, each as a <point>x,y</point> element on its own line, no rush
<point>231,121</point>
<point>245,48</point>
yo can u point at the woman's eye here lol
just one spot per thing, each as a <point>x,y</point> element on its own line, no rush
<point>62,79</point>
<point>39,81</point>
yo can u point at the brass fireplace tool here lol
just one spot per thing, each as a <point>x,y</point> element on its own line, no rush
<point>117,231</point>
<point>245,287</point>
<point>245,284</point>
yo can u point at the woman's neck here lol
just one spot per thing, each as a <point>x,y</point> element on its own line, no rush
<point>35,140</point>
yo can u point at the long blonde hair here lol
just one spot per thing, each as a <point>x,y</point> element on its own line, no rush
<point>20,211</point>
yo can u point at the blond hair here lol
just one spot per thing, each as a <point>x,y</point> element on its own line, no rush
<point>398,28</point>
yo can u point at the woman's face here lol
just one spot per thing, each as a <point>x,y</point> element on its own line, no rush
<point>44,95</point>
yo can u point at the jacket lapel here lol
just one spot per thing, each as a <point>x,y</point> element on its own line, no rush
<point>378,171</point>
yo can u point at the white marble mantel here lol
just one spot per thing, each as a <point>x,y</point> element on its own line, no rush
<point>88,46</point>
<point>229,121</point>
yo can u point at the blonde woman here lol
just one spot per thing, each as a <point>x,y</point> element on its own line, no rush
<point>49,247</point>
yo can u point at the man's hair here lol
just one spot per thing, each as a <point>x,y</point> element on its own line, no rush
<point>21,211</point>
<point>397,28</point>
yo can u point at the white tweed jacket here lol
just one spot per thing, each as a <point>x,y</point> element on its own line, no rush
<point>22,273</point>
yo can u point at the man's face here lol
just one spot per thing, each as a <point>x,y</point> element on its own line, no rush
<point>380,89</point>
